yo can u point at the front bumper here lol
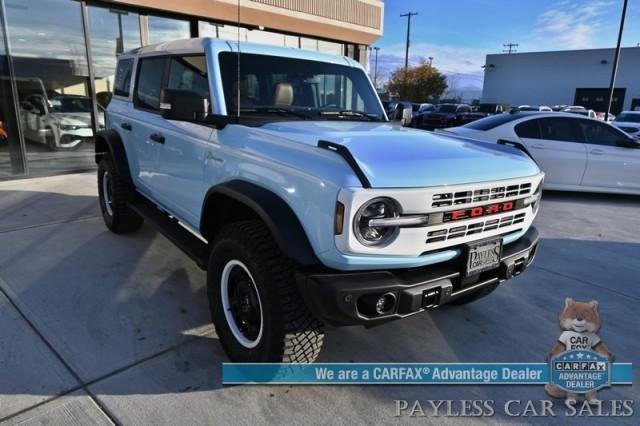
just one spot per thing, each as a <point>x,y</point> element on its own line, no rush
<point>347,298</point>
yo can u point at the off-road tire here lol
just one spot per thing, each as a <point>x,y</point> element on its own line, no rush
<point>121,219</point>
<point>475,295</point>
<point>290,332</point>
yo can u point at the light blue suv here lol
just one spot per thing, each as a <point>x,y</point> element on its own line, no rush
<point>279,173</point>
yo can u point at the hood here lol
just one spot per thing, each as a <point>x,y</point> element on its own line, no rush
<point>399,157</point>
<point>73,118</point>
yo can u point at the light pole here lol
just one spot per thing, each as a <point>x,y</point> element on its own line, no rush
<point>407,15</point>
<point>615,61</point>
<point>430,60</point>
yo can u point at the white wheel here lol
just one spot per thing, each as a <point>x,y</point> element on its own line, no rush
<point>107,193</point>
<point>241,304</point>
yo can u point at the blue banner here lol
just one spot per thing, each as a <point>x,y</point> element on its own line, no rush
<point>422,373</point>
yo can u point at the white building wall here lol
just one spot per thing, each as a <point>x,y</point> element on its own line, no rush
<point>551,78</point>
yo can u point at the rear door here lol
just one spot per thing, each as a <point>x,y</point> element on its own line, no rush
<point>146,119</point>
<point>609,165</point>
<point>556,144</point>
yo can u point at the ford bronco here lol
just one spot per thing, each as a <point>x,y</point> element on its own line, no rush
<point>277,171</point>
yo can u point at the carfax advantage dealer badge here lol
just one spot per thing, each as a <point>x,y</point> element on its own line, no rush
<point>580,371</point>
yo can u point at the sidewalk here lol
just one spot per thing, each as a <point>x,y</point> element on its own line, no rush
<point>101,328</point>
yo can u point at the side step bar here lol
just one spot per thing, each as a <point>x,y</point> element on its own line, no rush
<point>191,245</point>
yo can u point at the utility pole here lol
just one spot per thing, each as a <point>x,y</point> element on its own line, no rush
<point>615,61</point>
<point>375,68</point>
<point>510,48</point>
<point>408,15</point>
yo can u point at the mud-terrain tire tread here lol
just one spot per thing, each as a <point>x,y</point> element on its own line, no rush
<point>297,335</point>
<point>124,219</point>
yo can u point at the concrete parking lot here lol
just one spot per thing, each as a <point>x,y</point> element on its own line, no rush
<point>100,328</point>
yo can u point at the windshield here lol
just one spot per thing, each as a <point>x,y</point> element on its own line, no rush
<point>629,118</point>
<point>70,104</point>
<point>303,88</point>
<point>446,108</point>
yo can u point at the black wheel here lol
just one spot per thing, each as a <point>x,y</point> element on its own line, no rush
<point>475,295</point>
<point>114,193</point>
<point>255,306</point>
<point>51,141</point>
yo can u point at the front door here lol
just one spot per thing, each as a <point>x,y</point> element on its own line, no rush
<point>179,173</point>
<point>609,165</point>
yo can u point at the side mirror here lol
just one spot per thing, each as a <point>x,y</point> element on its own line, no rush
<point>628,143</point>
<point>183,105</point>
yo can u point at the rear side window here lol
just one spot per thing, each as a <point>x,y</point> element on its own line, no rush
<point>528,129</point>
<point>122,84</point>
<point>149,85</point>
<point>560,129</point>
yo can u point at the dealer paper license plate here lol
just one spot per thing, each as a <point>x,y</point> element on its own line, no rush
<point>483,256</point>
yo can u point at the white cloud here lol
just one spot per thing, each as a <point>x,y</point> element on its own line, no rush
<point>571,24</point>
<point>459,63</point>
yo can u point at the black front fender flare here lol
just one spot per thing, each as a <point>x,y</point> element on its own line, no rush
<point>272,210</point>
<point>109,141</point>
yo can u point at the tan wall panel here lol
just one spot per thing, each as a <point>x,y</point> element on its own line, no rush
<point>269,17</point>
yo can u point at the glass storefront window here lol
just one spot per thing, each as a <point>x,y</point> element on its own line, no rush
<point>52,80</point>
<point>11,160</point>
<point>112,32</point>
<point>167,29</point>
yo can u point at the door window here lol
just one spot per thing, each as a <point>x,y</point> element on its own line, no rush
<point>528,129</point>
<point>149,84</point>
<point>597,133</point>
<point>560,129</point>
<point>189,73</point>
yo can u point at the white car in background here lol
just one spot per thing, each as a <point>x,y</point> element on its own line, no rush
<point>629,121</point>
<point>62,121</point>
<point>534,108</point>
<point>576,153</point>
<point>582,111</point>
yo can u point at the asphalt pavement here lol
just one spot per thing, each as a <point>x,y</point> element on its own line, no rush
<point>101,328</point>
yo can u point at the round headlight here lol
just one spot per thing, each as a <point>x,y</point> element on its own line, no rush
<point>378,208</point>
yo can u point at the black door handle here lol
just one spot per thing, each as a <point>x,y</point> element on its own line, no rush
<point>126,126</point>
<point>157,137</point>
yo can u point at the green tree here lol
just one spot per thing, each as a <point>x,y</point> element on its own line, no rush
<point>424,82</point>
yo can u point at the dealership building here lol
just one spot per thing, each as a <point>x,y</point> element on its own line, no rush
<point>570,77</point>
<point>58,58</point>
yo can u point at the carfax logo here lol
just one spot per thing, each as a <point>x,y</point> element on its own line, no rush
<point>580,371</point>
<point>579,361</point>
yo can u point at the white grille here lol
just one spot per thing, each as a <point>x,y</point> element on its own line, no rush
<point>461,198</point>
<point>458,231</point>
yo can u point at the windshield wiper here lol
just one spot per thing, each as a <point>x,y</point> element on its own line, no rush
<point>277,110</point>
<point>349,113</point>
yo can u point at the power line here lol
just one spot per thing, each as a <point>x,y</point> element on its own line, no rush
<point>510,48</point>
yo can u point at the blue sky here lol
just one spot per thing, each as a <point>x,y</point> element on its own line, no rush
<point>459,33</point>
